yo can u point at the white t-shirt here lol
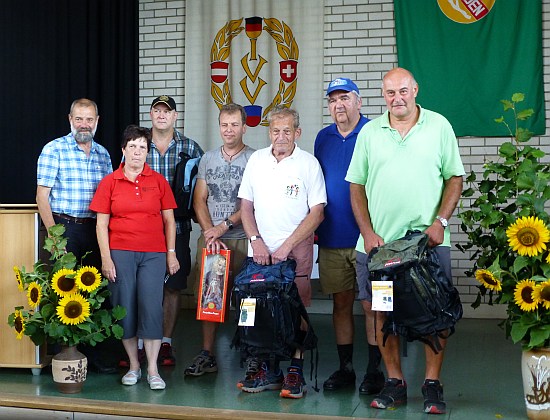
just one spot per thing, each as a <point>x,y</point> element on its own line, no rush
<point>282,192</point>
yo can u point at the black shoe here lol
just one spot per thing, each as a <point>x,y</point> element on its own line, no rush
<point>394,393</point>
<point>340,379</point>
<point>372,383</point>
<point>99,367</point>
<point>433,397</point>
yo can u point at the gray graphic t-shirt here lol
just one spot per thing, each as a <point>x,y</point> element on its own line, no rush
<point>223,180</point>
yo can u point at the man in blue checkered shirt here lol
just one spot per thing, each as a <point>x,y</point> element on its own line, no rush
<point>69,170</point>
<point>163,157</point>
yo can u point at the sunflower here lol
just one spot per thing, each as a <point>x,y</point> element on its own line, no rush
<point>488,280</point>
<point>542,293</point>
<point>528,236</point>
<point>62,284</point>
<point>34,294</point>
<point>88,278</point>
<point>18,278</point>
<point>73,309</point>
<point>19,324</point>
<point>523,295</point>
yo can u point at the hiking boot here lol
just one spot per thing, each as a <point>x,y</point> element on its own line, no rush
<point>294,385</point>
<point>203,363</point>
<point>342,378</point>
<point>253,365</point>
<point>372,383</point>
<point>125,362</point>
<point>433,397</point>
<point>263,380</point>
<point>165,357</point>
<point>394,393</point>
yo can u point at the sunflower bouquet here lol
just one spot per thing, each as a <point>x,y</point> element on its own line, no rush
<point>508,235</point>
<point>65,300</point>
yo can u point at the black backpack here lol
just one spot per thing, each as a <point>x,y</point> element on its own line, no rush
<point>276,333</point>
<point>426,305</point>
<point>183,185</point>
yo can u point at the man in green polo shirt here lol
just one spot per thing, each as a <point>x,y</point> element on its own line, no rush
<point>405,174</point>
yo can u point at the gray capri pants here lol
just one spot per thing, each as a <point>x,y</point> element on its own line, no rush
<point>139,287</point>
<point>364,283</point>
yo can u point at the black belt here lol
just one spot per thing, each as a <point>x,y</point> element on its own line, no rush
<point>78,220</point>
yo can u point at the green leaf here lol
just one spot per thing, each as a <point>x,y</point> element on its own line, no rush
<point>525,114</point>
<point>507,104</point>
<point>520,263</point>
<point>507,150</point>
<point>518,332</point>
<point>468,192</point>
<point>523,135</point>
<point>518,97</point>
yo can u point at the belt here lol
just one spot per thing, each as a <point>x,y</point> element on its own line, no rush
<point>78,220</point>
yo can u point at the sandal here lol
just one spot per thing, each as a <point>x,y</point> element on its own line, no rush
<point>156,382</point>
<point>131,377</point>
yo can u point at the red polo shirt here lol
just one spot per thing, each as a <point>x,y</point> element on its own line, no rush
<point>135,209</point>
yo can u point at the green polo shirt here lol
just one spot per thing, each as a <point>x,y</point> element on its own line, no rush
<point>404,178</point>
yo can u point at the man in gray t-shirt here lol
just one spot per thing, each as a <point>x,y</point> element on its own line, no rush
<point>218,213</point>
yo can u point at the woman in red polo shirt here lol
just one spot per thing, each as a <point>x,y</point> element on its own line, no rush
<point>136,232</point>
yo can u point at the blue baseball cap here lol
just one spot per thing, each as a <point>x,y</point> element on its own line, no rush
<point>342,83</point>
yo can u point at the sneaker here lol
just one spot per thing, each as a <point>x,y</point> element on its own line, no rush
<point>342,378</point>
<point>433,397</point>
<point>263,380</point>
<point>253,365</point>
<point>294,385</point>
<point>394,393</point>
<point>203,363</point>
<point>165,357</point>
<point>125,362</point>
<point>372,383</point>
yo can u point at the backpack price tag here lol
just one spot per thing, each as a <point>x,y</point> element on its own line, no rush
<point>382,296</point>
<point>248,312</point>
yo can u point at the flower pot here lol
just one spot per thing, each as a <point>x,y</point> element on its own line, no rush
<point>535,370</point>
<point>69,369</point>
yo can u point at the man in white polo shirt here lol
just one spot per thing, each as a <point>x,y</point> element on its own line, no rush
<point>282,202</point>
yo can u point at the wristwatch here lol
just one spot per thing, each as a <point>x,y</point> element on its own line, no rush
<point>254,237</point>
<point>228,223</point>
<point>444,222</point>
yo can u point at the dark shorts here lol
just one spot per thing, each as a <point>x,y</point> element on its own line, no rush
<point>139,288</point>
<point>365,286</point>
<point>178,281</point>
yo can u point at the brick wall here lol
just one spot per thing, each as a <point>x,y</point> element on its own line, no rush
<point>359,42</point>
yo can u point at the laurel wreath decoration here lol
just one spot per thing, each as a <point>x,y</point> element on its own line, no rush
<point>221,48</point>
<point>287,47</point>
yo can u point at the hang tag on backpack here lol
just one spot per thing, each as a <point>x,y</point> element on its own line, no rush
<point>248,312</point>
<point>382,296</point>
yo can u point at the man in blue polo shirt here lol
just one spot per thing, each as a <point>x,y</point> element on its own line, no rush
<point>338,233</point>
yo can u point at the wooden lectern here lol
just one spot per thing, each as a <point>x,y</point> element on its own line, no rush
<point>20,245</point>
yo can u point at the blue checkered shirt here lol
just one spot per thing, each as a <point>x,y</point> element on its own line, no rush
<point>72,176</point>
<point>166,165</point>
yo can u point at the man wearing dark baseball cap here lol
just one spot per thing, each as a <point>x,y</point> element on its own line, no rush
<point>338,233</point>
<point>166,100</point>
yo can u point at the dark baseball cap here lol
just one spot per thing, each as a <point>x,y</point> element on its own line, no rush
<point>342,83</point>
<point>166,100</point>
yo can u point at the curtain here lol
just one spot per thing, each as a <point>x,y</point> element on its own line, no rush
<point>55,51</point>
